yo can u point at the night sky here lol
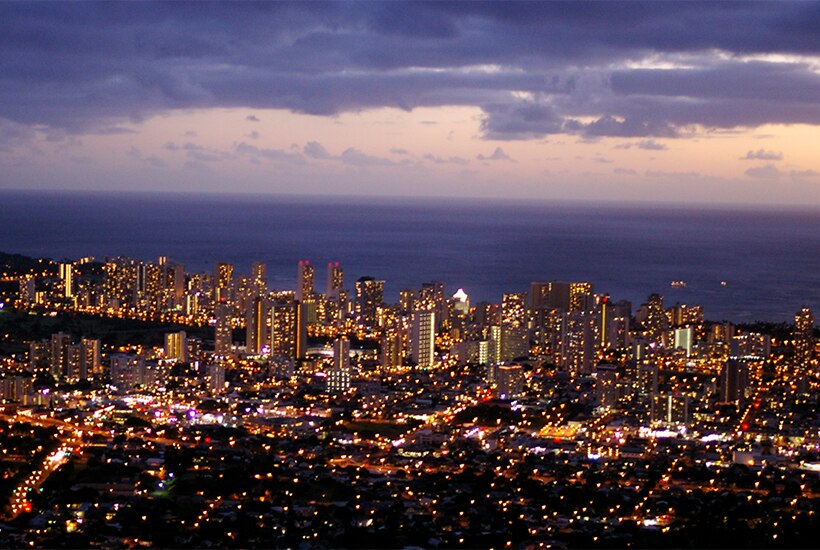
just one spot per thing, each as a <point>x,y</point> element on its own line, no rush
<point>660,101</point>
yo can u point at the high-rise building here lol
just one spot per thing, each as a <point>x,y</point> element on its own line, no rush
<point>256,326</point>
<point>606,385</point>
<point>224,282</point>
<point>803,337</point>
<point>67,280</point>
<point>656,321</point>
<point>120,282</point>
<point>514,309</point>
<point>126,371</point>
<point>509,381</point>
<point>369,298</point>
<point>515,342</point>
<point>431,297</point>
<point>750,345</point>
<point>392,348</point>
<point>514,331</point>
<point>341,353</point>
<point>684,339</point>
<point>461,302</point>
<point>175,284</point>
<point>494,339</point>
<point>645,382</point>
<point>91,357</point>
<point>407,301</point>
<point>681,315</point>
<point>176,346</point>
<point>304,280</point>
<point>223,333</point>
<point>27,289</point>
<point>671,408</point>
<point>288,329</point>
<point>550,295</point>
<point>18,389</point>
<point>580,295</point>
<point>560,295</point>
<point>259,278</point>
<point>216,378</point>
<point>335,280</point>
<point>338,378</point>
<point>734,382</point>
<point>58,363</point>
<point>422,338</point>
<point>619,319</point>
<point>577,350</point>
<point>74,366</point>
<point>474,352</point>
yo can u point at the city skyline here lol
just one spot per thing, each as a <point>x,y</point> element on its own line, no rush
<point>682,103</point>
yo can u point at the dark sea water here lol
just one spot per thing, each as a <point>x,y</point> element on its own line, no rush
<point>769,258</point>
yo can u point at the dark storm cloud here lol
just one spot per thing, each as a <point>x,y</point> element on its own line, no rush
<point>534,68</point>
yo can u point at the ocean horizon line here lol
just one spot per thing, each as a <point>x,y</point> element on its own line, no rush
<point>433,200</point>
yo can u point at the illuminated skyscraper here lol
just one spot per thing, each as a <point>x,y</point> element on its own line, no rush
<point>59,354</point>
<point>392,348</point>
<point>259,278</point>
<point>803,337</point>
<point>341,354</point>
<point>514,310</point>
<point>580,295</point>
<point>224,282</point>
<point>223,334</point>
<point>407,301</point>
<point>684,339</point>
<point>288,329</point>
<point>175,283</point>
<point>90,359</point>
<point>577,350</point>
<point>656,321</point>
<point>120,282</point>
<point>369,298</point>
<point>422,338</point>
<point>671,408</point>
<point>509,381</point>
<point>256,326</point>
<point>550,295</point>
<point>514,331</point>
<point>431,298</point>
<point>335,280</point>
<point>304,280</point>
<point>338,378</point>
<point>67,280</point>
<point>176,346</point>
<point>461,302</point>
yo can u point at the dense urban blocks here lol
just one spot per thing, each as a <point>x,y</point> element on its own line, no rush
<point>146,406</point>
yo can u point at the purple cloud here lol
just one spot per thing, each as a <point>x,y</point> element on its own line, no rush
<point>355,157</point>
<point>316,150</point>
<point>534,69</point>
<point>498,154</point>
<point>767,172</point>
<point>762,154</point>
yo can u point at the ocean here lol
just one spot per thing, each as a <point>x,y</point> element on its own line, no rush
<point>768,258</point>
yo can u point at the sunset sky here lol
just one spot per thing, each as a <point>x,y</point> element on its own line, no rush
<point>660,101</point>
